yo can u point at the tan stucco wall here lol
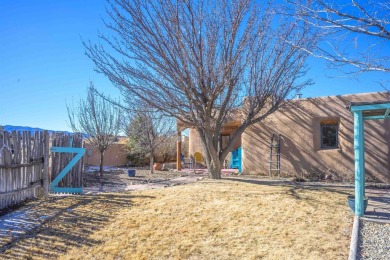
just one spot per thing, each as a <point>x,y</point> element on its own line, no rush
<point>195,144</point>
<point>114,156</point>
<point>300,140</point>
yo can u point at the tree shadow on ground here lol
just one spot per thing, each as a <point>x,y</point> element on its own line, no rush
<point>69,222</point>
<point>293,186</point>
<point>378,207</point>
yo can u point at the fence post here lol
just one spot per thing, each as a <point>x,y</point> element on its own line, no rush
<point>46,165</point>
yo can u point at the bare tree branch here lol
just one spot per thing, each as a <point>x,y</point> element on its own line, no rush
<point>196,61</point>
<point>97,119</point>
<point>356,33</point>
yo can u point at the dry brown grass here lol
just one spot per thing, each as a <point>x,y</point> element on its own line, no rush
<point>227,220</point>
<point>210,219</point>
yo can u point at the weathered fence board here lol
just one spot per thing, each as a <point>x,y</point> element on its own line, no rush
<point>21,167</point>
<point>26,164</point>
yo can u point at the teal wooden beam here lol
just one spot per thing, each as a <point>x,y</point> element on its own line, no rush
<point>370,107</point>
<point>387,113</point>
<point>373,117</point>
<point>359,162</point>
<point>67,150</point>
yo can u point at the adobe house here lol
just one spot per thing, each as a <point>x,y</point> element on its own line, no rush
<point>312,138</point>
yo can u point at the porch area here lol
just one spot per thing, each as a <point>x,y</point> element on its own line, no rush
<point>378,206</point>
<point>193,159</point>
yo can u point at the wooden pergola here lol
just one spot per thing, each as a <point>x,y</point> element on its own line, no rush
<point>179,128</point>
<point>364,111</point>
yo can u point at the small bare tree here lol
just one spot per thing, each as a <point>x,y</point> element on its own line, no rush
<point>355,33</point>
<point>98,119</point>
<point>167,149</point>
<point>196,61</point>
<point>147,132</point>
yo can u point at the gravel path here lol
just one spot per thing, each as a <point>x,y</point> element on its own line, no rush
<point>374,241</point>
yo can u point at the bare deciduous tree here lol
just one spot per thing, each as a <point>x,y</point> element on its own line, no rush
<point>147,132</point>
<point>167,149</point>
<point>197,60</point>
<point>356,33</point>
<point>98,119</point>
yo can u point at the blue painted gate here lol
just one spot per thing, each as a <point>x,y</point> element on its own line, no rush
<point>236,162</point>
<point>78,153</point>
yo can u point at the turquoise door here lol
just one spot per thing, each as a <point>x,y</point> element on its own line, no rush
<point>236,159</point>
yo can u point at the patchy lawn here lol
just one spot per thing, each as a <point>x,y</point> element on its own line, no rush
<point>117,176</point>
<point>210,219</point>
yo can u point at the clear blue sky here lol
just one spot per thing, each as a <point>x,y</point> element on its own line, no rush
<point>42,62</point>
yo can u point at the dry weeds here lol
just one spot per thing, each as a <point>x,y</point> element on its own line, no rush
<point>210,219</point>
<point>118,177</point>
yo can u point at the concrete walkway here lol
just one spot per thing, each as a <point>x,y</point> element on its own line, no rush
<point>378,209</point>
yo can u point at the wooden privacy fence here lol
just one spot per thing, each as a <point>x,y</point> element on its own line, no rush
<point>27,165</point>
<point>21,166</point>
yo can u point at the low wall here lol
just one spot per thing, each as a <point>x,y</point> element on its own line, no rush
<point>114,156</point>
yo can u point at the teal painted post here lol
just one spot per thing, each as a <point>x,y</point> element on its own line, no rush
<point>359,162</point>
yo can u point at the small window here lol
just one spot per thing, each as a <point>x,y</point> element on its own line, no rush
<point>329,136</point>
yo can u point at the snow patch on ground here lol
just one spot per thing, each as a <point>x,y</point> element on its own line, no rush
<point>18,223</point>
<point>97,168</point>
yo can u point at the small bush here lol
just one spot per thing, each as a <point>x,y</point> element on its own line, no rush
<point>137,159</point>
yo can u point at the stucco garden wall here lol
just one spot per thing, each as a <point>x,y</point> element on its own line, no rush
<point>114,156</point>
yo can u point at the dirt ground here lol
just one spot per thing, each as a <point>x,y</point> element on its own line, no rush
<point>118,177</point>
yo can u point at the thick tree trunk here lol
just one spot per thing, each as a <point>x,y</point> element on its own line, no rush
<point>214,167</point>
<point>101,163</point>
<point>213,160</point>
<point>151,164</point>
